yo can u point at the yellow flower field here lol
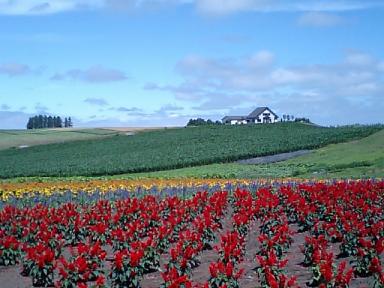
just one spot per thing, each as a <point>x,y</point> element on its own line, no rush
<point>47,188</point>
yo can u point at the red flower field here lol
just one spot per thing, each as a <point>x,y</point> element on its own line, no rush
<point>291,235</point>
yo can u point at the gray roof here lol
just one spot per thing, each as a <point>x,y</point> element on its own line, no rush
<point>229,118</point>
<point>255,113</point>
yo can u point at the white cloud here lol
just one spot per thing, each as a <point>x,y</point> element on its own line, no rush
<point>214,84</point>
<point>225,6</point>
<point>5,107</point>
<point>319,19</point>
<point>41,109</point>
<point>95,74</point>
<point>381,66</point>
<point>360,59</point>
<point>14,69</point>
<point>216,7</point>
<point>20,7</point>
<point>96,101</point>
<point>222,7</point>
<point>13,119</point>
<point>262,59</point>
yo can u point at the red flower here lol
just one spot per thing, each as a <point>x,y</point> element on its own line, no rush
<point>119,257</point>
<point>375,266</point>
<point>100,281</point>
<point>81,264</point>
<point>135,257</point>
<point>229,270</point>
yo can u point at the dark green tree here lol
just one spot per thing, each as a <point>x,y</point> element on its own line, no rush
<point>40,121</point>
<point>202,122</point>
<point>45,121</point>
<point>59,122</point>
<point>30,123</point>
<point>50,122</point>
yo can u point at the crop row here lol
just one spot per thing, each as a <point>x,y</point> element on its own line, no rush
<point>171,148</point>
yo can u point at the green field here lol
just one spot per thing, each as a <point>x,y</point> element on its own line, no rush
<point>172,148</point>
<point>18,138</point>
<point>362,158</point>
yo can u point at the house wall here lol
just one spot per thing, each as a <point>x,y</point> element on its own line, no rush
<point>274,119</point>
<point>234,122</point>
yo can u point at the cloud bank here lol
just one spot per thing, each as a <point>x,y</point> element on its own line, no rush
<point>216,7</point>
<point>351,87</point>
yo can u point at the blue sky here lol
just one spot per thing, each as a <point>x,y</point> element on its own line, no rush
<point>160,62</point>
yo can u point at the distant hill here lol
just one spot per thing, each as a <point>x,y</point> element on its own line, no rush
<point>171,148</point>
<point>27,138</point>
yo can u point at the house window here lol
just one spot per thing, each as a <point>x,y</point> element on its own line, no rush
<point>259,120</point>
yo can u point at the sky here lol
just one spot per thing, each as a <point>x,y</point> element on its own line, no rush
<point>134,63</point>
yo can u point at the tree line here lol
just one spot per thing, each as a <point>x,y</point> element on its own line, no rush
<point>44,121</point>
<point>202,122</point>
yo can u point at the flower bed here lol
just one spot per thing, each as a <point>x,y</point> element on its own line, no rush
<point>117,242</point>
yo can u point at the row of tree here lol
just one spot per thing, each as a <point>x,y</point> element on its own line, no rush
<point>287,117</point>
<point>44,121</point>
<point>202,122</point>
<point>291,118</point>
<point>303,120</point>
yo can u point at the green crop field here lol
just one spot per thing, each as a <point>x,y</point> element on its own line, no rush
<point>170,149</point>
<point>357,159</point>
<point>23,138</point>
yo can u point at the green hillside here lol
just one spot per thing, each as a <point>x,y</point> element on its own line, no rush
<point>170,149</point>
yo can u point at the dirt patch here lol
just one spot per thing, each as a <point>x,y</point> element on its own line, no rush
<point>274,158</point>
<point>136,129</point>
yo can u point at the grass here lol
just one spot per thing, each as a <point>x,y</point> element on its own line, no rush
<point>174,148</point>
<point>356,159</point>
<point>17,138</point>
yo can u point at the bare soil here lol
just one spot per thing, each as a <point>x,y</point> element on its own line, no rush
<point>135,129</point>
<point>274,158</point>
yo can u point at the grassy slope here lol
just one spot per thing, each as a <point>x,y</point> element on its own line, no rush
<point>16,138</point>
<point>362,158</point>
<point>356,159</point>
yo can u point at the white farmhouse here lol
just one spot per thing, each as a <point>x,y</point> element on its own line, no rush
<point>259,115</point>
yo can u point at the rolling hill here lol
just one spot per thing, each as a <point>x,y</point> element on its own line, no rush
<point>171,149</point>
